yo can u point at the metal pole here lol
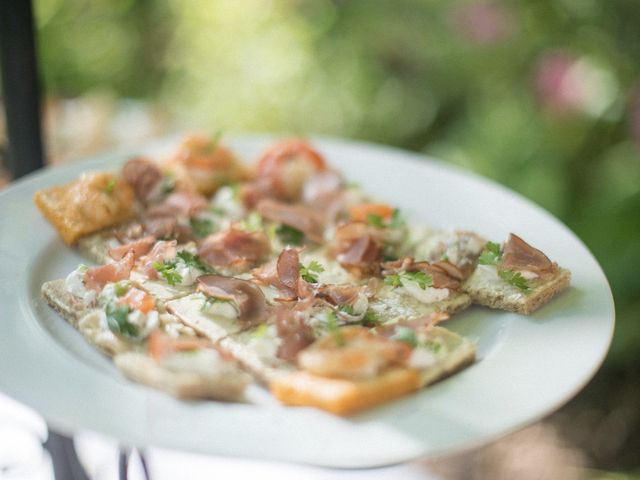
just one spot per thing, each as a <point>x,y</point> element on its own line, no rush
<point>20,86</point>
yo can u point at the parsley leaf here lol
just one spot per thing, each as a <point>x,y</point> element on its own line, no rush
<point>491,254</point>
<point>122,287</point>
<point>516,279</point>
<point>375,220</point>
<point>423,280</point>
<point>406,335</point>
<point>252,223</point>
<point>348,309</point>
<point>108,189</point>
<point>433,345</point>
<point>388,253</point>
<point>118,320</point>
<point>201,226</point>
<point>168,271</point>
<point>334,329</point>
<point>370,319</point>
<point>194,261</point>
<point>396,219</point>
<point>307,273</point>
<point>289,235</point>
<point>393,280</point>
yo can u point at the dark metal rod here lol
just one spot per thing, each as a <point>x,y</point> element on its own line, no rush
<point>20,86</point>
<point>63,456</point>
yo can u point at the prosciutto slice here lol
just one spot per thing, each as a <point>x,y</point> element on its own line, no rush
<point>440,274</point>
<point>293,330</point>
<point>519,255</point>
<point>358,247</point>
<point>139,248</point>
<point>182,204</point>
<point>235,248</point>
<point>248,297</point>
<point>302,218</point>
<point>143,175</point>
<point>95,278</point>
<point>284,274</point>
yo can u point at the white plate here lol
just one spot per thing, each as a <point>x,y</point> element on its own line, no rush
<point>527,366</point>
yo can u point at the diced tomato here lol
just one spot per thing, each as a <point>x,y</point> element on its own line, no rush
<point>161,345</point>
<point>138,300</point>
<point>360,213</point>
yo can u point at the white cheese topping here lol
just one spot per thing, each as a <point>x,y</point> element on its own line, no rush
<point>219,308</point>
<point>265,345</point>
<point>427,295</point>
<point>225,200</point>
<point>74,283</point>
<point>205,362</point>
<point>421,358</point>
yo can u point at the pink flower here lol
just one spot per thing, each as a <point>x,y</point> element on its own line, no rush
<point>484,22</point>
<point>565,83</point>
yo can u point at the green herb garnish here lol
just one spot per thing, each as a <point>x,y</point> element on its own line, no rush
<point>252,223</point>
<point>370,319</point>
<point>118,320</point>
<point>111,184</point>
<point>433,345</point>
<point>201,226</point>
<point>194,261</point>
<point>289,235</point>
<point>396,219</point>
<point>491,254</point>
<point>348,309</point>
<point>423,280</point>
<point>334,329</point>
<point>516,279</point>
<point>168,271</point>
<point>375,220</point>
<point>388,253</point>
<point>122,287</point>
<point>406,335</point>
<point>308,273</point>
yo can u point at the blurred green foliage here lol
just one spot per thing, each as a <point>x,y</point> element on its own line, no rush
<point>543,96</point>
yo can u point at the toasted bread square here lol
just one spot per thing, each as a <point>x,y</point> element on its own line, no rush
<point>91,203</point>
<point>488,289</point>
<point>341,396</point>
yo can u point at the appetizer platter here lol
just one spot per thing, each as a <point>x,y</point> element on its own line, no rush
<point>276,286</point>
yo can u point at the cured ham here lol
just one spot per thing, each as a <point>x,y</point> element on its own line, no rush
<point>358,247</point>
<point>143,175</point>
<point>235,248</point>
<point>300,217</point>
<point>139,248</point>
<point>246,295</point>
<point>181,204</point>
<point>97,277</point>
<point>519,255</point>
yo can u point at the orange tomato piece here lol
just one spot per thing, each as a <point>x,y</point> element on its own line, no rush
<point>138,300</point>
<point>360,213</point>
<point>160,344</point>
